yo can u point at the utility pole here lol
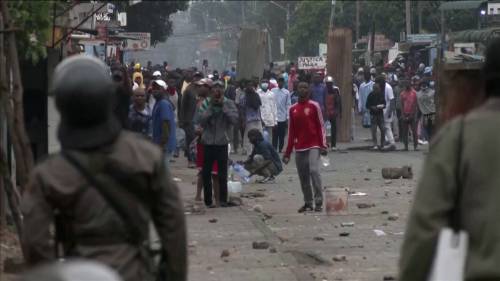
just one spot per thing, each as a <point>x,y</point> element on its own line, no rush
<point>287,17</point>
<point>357,19</point>
<point>419,8</point>
<point>408,17</point>
<point>243,19</point>
<point>332,13</point>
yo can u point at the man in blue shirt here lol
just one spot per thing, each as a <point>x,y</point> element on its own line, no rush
<point>164,124</point>
<point>283,102</point>
<point>318,91</point>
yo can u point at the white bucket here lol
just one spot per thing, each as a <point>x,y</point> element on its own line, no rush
<point>336,201</point>
<point>234,187</point>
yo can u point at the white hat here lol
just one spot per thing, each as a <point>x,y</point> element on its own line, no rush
<point>161,83</point>
<point>329,79</point>
<point>361,69</point>
<point>157,73</point>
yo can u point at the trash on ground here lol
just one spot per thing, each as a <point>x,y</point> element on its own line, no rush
<point>347,224</point>
<point>379,232</point>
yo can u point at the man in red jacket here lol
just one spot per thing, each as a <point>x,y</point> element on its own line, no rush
<point>306,133</point>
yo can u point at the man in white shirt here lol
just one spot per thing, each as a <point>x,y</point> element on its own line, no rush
<point>388,111</point>
<point>283,102</point>
<point>268,109</point>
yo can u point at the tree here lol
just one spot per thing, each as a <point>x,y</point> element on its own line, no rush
<point>153,17</point>
<point>311,23</point>
<point>33,21</point>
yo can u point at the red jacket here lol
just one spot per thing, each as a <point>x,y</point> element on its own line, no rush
<point>305,127</point>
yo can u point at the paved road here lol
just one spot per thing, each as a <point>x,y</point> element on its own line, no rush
<point>305,244</point>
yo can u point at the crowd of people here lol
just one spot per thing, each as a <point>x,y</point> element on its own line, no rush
<point>218,116</point>
<point>126,178</point>
<point>398,102</point>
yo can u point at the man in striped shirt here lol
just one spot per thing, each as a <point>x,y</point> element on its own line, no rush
<point>306,133</point>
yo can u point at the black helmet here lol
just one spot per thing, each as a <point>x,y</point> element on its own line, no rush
<point>84,94</point>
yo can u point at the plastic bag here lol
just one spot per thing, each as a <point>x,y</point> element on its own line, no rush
<point>240,172</point>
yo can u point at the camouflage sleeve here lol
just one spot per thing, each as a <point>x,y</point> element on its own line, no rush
<point>37,239</point>
<point>168,216</point>
<point>434,202</point>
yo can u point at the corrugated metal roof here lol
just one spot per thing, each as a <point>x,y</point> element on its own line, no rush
<point>482,35</point>
<point>461,5</point>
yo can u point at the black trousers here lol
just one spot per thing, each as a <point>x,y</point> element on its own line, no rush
<point>406,123</point>
<point>333,131</point>
<point>279,133</point>
<point>215,153</point>
<point>378,122</point>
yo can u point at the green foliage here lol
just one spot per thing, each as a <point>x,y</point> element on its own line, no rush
<point>35,21</point>
<point>153,17</point>
<point>309,28</point>
<point>387,17</point>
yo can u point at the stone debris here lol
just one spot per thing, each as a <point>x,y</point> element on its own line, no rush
<point>379,232</point>
<point>404,172</point>
<point>388,182</point>
<point>367,179</point>
<point>393,217</point>
<point>257,208</point>
<point>252,195</point>
<point>273,250</point>
<point>212,220</point>
<point>365,205</point>
<point>347,224</point>
<point>282,239</point>
<point>369,170</point>
<point>389,278</point>
<point>224,254</point>
<point>318,238</point>
<point>339,258</point>
<point>260,245</point>
<point>344,234</point>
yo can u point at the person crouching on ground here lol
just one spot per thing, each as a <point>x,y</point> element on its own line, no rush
<point>306,133</point>
<point>264,160</point>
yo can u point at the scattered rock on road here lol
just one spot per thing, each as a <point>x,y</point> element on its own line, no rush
<point>273,250</point>
<point>393,217</point>
<point>318,238</point>
<point>344,234</point>
<point>224,254</point>
<point>364,205</point>
<point>260,245</point>
<point>257,208</point>
<point>339,258</point>
<point>388,182</point>
<point>347,224</point>
<point>212,220</point>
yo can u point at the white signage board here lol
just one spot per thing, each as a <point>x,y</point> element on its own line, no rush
<point>312,62</point>
<point>141,41</point>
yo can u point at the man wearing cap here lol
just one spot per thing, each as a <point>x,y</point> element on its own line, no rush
<point>216,115</point>
<point>163,120</point>
<point>187,113</point>
<point>68,212</point>
<point>156,75</point>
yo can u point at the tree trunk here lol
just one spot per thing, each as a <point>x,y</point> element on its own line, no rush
<point>14,109</point>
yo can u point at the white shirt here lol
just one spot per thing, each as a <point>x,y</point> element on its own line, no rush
<point>283,103</point>
<point>389,96</point>
<point>268,110</point>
